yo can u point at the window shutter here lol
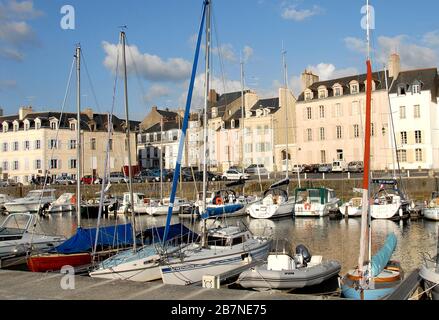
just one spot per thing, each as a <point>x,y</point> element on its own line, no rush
<point>59,164</point>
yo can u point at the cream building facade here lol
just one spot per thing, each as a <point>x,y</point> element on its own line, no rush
<point>35,143</point>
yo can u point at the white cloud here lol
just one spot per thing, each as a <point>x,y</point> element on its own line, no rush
<point>412,55</point>
<point>248,53</point>
<point>431,39</point>
<point>11,54</point>
<point>226,52</point>
<point>150,67</point>
<point>23,9</point>
<point>292,13</point>
<point>7,84</point>
<point>157,91</point>
<point>16,33</point>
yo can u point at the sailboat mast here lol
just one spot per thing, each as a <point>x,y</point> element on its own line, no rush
<point>161,160</point>
<point>130,174</point>
<point>206,96</point>
<point>365,220</point>
<point>286,107</point>
<point>391,123</point>
<point>78,134</point>
<point>242,115</point>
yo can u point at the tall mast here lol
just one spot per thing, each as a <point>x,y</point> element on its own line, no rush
<point>286,106</point>
<point>242,116</point>
<point>78,134</point>
<point>161,159</point>
<point>130,174</point>
<point>206,96</point>
<point>365,217</point>
<point>391,124</point>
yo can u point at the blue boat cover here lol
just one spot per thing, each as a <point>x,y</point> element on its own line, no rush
<point>380,260</point>
<point>155,235</point>
<point>217,211</point>
<point>84,239</point>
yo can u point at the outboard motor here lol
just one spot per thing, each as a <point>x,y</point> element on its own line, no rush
<point>304,253</point>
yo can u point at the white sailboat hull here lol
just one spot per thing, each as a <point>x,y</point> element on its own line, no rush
<point>35,242</point>
<point>388,211</point>
<point>314,209</point>
<point>352,211</point>
<point>20,207</point>
<point>271,211</point>
<point>431,213</point>
<point>211,261</point>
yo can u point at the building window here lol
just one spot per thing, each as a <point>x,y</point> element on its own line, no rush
<point>110,142</point>
<point>53,164</point>
<point>322,156</point>
<point>308,96</point>
<point>5,166</point>
<point>356,131</point>
<point>401,90</point>
<point>322,94</point>
<point>53,125</point>
<point>72,144</point>
<point>26,145</point>
<point>72,163</point>
<point>322,111</point>
<point>72,126</point>
<point>5,147</point>
<point>418,136</point>
<point>15,127</point>
<point>356,108</point>
<point>15,165</point>
<point>309,113</point>
<point>232,124</point>
<point>402,114</point>
<point>15,146</point>
<point>417,111</point>
<point>26,126</point>
<point>372,130</point>
<point>337,92</point>
<point>403,137</point>
<point>338,110</point>
<point>322,134</point>
<point>93,143</point>
<point>52,144</point>
<point>37,164</point>
<point>266,129</point>
<point>248,148</point>
<point>37,144</point>
<point>5,128</point>
<point>309,134</point>
<point>418,153</point>
<point>37,125</point>
<point>126,144</point>
<point>354,89</point>
<point>340,155</point>
<point>247,131</point>
<point>339,132</point>
<point>402,155</point>
<point>416,88</point>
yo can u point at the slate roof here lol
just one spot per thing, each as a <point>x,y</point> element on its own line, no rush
<point>166,127</point>
<point>272,103</point>
<point>427,78</point>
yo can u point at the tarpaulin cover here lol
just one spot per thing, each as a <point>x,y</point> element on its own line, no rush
<point>217,211</point>
<point>154,235</point>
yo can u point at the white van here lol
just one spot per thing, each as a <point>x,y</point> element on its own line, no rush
<point>339,166</point>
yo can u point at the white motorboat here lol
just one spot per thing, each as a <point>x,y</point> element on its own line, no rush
<point>389,202</point>
<point>431,211</point>
<point>275,203</point>
<point>285,271</point>
<point>315,202</point>
<point>227,249</point>
<point>140,203</point>
<point>65,203</point>
<point>17,238</point>
<point>33,202</point>
<point>4,198</point>
<point>352,208</point>
<point>430,273</point>
<point>158,208</point>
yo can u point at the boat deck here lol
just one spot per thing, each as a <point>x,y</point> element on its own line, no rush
<point>27,285</point>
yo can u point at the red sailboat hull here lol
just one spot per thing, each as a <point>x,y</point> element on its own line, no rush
<point>54,262</point>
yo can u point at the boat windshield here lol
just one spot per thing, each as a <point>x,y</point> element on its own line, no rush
<point>15,224</point>
<point>308,196</point>
<point>217,241</point>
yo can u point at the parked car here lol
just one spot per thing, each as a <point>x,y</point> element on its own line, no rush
<point>65,180</point>
<point>256,169</point>
<point>325,168</point>
<point>297,168</point>
<point>210,176</point>
<point>9,183</point>
<point>89,179</point>
<point>356,166</point>
<point>233,174</point>
<point>339,166</point>
<point>311,168</point>
<point>117,177</point>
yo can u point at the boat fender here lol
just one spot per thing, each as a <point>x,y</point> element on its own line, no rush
<point>304,252</point>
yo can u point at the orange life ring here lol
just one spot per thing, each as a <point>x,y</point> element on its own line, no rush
<point>73,199</point>
<point>307,206</point>
<point>219,201</point>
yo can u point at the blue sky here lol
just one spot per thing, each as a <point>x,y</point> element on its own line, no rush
<point>324,36</point>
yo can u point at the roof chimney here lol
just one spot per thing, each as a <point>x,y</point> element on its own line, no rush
<point>88,112</point>
<point>23,112</point>
<point>154,108</point>
<point>213,97</point>
<point>307,79</point>
<point>394,65</point>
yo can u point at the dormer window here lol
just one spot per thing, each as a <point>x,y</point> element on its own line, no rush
<point>37,124</point>
<point>232,124</point>
<point>338,90</point>
<point>322,94</point>
<point>15,126</point>
<point>354,88</point>
<point>401,90</point>
<point>5,127</point>
<point>223,125</point>
<point>54,124</point>
<point>259,112</point>
<point>416,89</point>
<point>26,125</point>
<point>308,96</point>
<point>72,126</point>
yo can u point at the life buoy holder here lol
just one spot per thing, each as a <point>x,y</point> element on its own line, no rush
<point>219,201</point>
<point>307,206</point>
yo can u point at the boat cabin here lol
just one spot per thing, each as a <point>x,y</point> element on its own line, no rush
<point>139,198</point>
<point>37,194</point>
<point>314,195</point>
<point>219,197</point>
<point>227,237</point>
<point>388,192</point>
<point>15,225</point>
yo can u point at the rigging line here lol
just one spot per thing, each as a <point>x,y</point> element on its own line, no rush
<point>90,82</point>
<point>66,94</point>
<point>110,130</point>
<point>220,58</point>
<point>136,70</point>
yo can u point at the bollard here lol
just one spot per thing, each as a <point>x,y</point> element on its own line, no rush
<point>323,176</point>
<point>349,176</point>
<point>306,176</point>
<point>408,173</point>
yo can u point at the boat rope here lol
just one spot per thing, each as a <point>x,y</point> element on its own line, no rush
<point>416,297</point>
<point>66,94</point>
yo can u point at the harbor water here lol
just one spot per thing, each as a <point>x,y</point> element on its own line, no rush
<point>338,240</point>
